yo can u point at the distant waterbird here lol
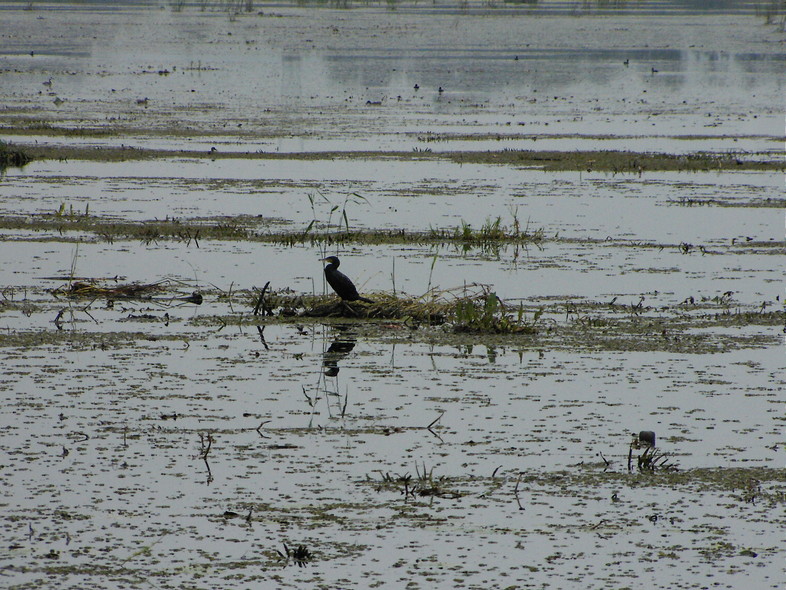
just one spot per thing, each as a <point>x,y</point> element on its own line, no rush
<point>645,438</point>
<point>340,282</point>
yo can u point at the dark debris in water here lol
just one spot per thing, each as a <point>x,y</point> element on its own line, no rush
<point>424,484</point>
<point>140,291</point>
<point>299,555</point>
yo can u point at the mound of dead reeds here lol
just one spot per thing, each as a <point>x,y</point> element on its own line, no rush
<point>471,308</point>
<point>385,307</point>
<point>90,289</point>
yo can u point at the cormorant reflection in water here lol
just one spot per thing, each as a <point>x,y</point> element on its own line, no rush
<point>336,352</point>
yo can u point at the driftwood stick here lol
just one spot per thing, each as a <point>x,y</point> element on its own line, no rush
<point>261,301</point>
<point>516,491</point>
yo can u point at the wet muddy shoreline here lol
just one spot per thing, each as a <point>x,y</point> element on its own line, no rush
<point>604,161</point>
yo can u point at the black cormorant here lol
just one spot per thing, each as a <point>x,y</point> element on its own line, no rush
<point>340,282</point>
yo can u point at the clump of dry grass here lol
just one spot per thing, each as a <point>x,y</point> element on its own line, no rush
<point>472,308</point>
<point>386,306</point>
<point>92,290</point>
<point>89,289</point>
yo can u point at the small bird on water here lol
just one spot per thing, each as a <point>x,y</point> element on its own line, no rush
<point>340,282</point>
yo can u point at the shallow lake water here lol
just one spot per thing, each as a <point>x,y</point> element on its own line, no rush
<point>299,79</point>
<point>154,442</point>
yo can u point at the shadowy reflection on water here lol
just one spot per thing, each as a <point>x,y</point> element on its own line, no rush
<point>337,351</point>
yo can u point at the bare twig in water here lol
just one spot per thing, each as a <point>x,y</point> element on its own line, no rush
<point>261,302</point>
<point>344,407</point>
<point>205,448</point>
<point>437,419</point>
<point>204,451</point>
<point>187,237</point>
<point>259,428</point>
<point>311,402</point>
<point>516,491</point>
<point>433,422</point>
<point>58,319</point>
<point>229,297</point>
<point>261,330</point>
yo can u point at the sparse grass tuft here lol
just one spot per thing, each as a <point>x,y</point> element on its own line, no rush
<point>651,459</point>
<point>491,232</point>
<point>425,484</point>
<point>300,555</point>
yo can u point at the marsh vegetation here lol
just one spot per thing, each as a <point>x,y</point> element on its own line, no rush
<point>570,367</point>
